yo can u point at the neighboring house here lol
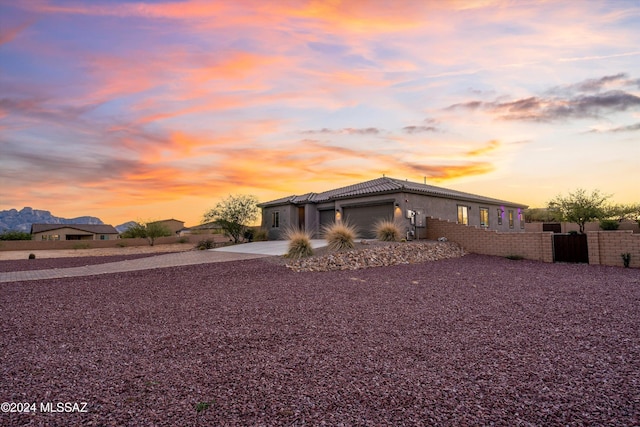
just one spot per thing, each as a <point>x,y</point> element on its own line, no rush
<point>408,203</point>
<point>172,224</point>
<point>207,228</point>
<point>73,232</point>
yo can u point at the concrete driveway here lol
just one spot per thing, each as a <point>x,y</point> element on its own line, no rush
<point>272,247</point>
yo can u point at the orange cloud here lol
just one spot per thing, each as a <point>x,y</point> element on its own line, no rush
<point>487,148</point>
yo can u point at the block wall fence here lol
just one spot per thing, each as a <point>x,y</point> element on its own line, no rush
<point>605,247</point>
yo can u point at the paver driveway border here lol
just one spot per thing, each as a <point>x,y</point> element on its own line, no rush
<point>269,247</point>
<point>157,261</point>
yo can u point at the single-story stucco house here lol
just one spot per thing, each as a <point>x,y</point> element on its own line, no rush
<point>173,225</point>
<point>73,232</point>
<point>408,203</point>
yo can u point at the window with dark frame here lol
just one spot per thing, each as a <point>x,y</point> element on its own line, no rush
<point>499,216</point>
<point>484,217</point>
<point>521,219</point>
<point>463,215</point>
<point>275,219</point>
<point>510,219</point>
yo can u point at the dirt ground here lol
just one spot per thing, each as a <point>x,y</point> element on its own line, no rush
<point>66,253</point>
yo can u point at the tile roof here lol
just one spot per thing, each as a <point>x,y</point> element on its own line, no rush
<point>386,185</point>
<point>89,228</point>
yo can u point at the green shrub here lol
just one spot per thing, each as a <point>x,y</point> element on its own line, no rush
<point>15,235</point>
<point>203,406</point>
<point>183,240</point>
<point>387,231</point>
<point>609,224</point>
<point>515,257</point>
<point>205,244</point>
<point>121,244</point>
<point>81,246</point>
<point>340,236</point>
<point>32,256</point>
<point>299,243</point>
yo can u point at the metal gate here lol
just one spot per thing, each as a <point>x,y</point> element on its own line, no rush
<point>570,248</point>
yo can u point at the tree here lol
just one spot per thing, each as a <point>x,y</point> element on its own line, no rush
<point>155,230</point>
<point>580,207</point>
<point>621,212</point>
<point>541,215</point>
<point>15,235</point>
<point>234,214</point>
<point>150,231</point>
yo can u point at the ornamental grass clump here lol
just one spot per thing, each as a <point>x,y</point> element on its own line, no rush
<point>387,231</point>
<point>340,236</point>
<point>299,243</point>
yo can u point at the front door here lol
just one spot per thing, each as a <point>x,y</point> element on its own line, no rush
<point>301,217</point>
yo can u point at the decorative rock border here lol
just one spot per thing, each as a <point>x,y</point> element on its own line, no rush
<point>378,256</point>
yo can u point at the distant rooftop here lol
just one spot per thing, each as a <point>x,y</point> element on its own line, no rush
<point>89,228</point>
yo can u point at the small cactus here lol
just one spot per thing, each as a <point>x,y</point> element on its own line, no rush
<point>626,259</point>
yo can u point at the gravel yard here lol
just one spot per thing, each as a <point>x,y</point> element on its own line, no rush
<point>476,340</point>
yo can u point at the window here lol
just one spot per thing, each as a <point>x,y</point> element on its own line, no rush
<point>103,237</point>
<point>463,215</point>
<point>510,218</point>
<point>500,216</point>
<point>275,219</point>
<point>484,217</point>
<point>520,218</point>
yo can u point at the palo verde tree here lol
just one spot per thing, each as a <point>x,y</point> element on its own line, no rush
<point>580,207</point>
<point>149,230</point>
<point>234,214</point>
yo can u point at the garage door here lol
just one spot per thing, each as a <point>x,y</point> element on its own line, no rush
<point>365,217</point>
<point>327,217</point>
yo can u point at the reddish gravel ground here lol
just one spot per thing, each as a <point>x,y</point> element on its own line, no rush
<point>476,340</point>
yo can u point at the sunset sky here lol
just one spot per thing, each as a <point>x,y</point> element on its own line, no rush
<point>130,110</point>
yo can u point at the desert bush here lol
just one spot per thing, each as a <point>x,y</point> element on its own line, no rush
<point>81,246</point>
<point>260,235</point>
<point>15,235</point>
<point>248,234</point>
<point>340,235</point>
<point>387,231</point>
<point>299,243</point>
<point>609,224</point>
<point>626,259</point>
<point>32,256</point>
<point>183,239</point>
<point>121,244</point>
<point>205,244</point>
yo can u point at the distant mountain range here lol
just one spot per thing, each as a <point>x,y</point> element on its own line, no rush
<point>124,227</point>
<point>21,220</point>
